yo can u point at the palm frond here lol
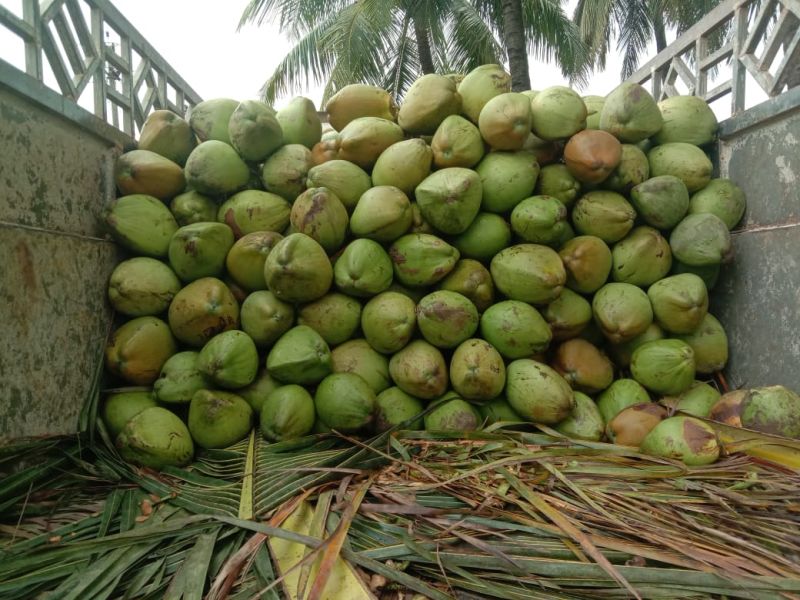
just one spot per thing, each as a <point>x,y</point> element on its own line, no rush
<point>472,41</point>
<point>635,33</point>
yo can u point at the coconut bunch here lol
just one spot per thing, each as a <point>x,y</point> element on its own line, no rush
<point>474,255</point>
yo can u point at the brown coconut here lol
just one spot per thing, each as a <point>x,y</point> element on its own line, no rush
<point>591,155</point>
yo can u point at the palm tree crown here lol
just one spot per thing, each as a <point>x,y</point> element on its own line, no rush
<point>389,43</point>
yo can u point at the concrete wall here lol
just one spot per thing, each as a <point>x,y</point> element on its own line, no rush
<point>758,297</point>
<point>56,173</point>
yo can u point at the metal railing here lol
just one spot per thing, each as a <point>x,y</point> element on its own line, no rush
<point>759,38</point>
<point>90,53</point>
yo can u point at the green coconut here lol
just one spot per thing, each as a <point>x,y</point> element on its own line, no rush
<point>632,170</point>
<point>265,317</point>
<point>486,236</point>
<point>446,318</point>
<point>641,258</point>
<point>583,365</point>
<point>141,224</point>
<point>363,269</point>
<point>300,122</point>
<point>199,250</point>
<point>121,406</point>
<point>345,402</point>
<point>568,315</point>
<point>419,369</point>
<point>383,214</point>
<point>515,329</point>
<point>156,438</point>
<point>201,310</point>
<point>421,259</point>
<point>449,199</point>
<point>357,356</point>
<point>429,100</point>
<point>557,113</point>
<point>138,349</point>
<point>481,85</point>
<point>403,165</point>
<point>708,273</point>
<point>218,419</point>
<point>680,302</point>
<point>632,424</point>
<point>594,106</point>
<point>180,378</point>
<point>457,143</point>
<point>254,210</point>
<point>529,273</point>
<point>148,173</point>
<point>284,172</point>
<point>701,240</point>
<point>257,392</point>
<point>214,168</point>
<point>773,409</point>
<point>210,118</point>
<point>505,121</point>
<point>359,100</point>
<point>229,359</point>
<point>454,414</point>
<point>477,371</point>
<point>607,215</point>
<point>661,201</point>
<point>683,438</point>
<point>622,311</point>
<point>471,279</point>
<point>584,422</point>
<point>710,345</point>
<point>507,178</point>
<point>687,119</point>
<point>319,214</point>
<point>298,270</point>
<point>364,139</point>
<point>395,407</point>
<point>498,410</point>
<point>537,392</point>
<point>167,134</point>
<point>345,179</point>
<point>697,400</point>
<point>621,394</point>
<point>587,260</point>
<point>287,413</point>
<point>299,356</point>
<point>246,258</point>
<point>335,317</point>
<point>721,197</point>
<point>685,161</point>
<point>142,286</point>
<point>664,366</point>
<point>254,130</point>
<point>192,207</point>
<point>388,321</point>
<point>622,352</point>
<point>540,220</point>
<point>558,182</point>
<point>630,113</point>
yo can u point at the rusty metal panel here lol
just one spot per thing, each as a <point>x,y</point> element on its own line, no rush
<point>52,289</point>
<point>54,174</point>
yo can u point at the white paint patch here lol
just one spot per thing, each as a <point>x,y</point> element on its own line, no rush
<point>790,140</point>
<point>785,173</point>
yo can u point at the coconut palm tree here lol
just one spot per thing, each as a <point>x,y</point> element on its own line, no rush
<point>389,43</point>
<point>635,24</point>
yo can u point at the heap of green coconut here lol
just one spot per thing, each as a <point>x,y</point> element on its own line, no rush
<point>474,256</point>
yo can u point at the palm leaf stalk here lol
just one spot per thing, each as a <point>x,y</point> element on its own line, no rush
<point>491,514</point>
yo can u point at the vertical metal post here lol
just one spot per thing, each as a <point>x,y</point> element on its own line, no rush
<point>739,72</point>
<point>99,78</point>
<point>33,48</point>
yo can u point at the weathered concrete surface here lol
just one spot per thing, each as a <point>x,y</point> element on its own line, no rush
<point>55,262</point>
<point>758,297</point>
